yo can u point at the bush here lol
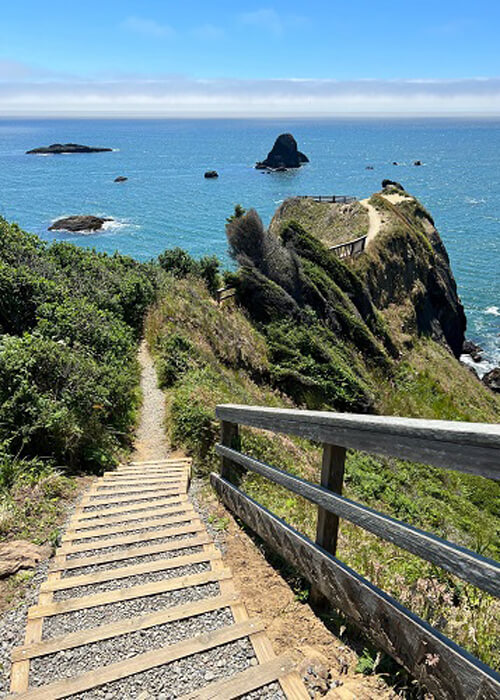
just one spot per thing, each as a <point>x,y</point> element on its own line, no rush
<point>180,264</point>
<point>70,319</point>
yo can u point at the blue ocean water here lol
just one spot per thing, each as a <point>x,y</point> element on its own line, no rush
<point>167,202</point>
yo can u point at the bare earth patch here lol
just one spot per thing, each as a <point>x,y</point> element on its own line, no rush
<point>291,625</point>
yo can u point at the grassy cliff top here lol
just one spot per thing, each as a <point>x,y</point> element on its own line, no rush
<point>330,223</point>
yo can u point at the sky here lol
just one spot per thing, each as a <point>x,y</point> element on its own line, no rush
<point>157,57</point>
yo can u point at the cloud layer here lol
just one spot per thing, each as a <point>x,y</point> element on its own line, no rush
<point>174,95</point>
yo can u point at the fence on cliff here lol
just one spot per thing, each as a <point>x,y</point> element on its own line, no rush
<point>443,667</point>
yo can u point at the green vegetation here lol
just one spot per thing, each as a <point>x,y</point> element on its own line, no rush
<point>304,331</point>
<point>70,322</point>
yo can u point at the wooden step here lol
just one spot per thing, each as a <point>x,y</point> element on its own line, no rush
<point>72,536</point>
<point>141,662</point>
<point>77,525</point>
<point>126,571</point>
<point>195,526</point>
<point>133,498</point>
<point>117,629</point>
<point>244,682</point>
<point>82,516</point>
<point>60,563</point>
<point>122,594</point>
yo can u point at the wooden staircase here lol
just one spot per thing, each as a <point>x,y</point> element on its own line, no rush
<point>142,509</point>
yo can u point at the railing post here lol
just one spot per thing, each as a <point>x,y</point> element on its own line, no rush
<point>230,437</point>
<point>332,478</point>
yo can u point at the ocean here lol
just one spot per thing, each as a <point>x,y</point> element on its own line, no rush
<point>166,201</point>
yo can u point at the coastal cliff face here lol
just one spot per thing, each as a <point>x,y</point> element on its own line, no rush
<point>407,272</point>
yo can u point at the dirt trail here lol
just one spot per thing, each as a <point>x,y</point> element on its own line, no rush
<point>150,442</point>
<point>375,220</point>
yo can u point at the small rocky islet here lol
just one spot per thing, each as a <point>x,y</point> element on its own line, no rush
<point>60,148</point>
<point>79,223</point>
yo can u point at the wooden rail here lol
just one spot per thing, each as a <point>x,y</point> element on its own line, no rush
<point>332,198</point>
<point>225,293</point>
<point>468,447</point>
<point>350,248</point>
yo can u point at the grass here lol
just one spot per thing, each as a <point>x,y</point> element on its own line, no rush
<point>427,381</point>
<point>330,223</point>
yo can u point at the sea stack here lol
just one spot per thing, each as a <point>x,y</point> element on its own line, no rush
<point>283,155</point>
<point>58,148</point>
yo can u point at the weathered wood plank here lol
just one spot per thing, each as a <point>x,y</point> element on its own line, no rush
<point>195,526</point>
<point>139,663</point>
<point>78,526</point>
<point>121,594</point>
<point>229,436</point>
<point>103,531</point>
<point>116,629</point>
<point>59,563</point>
<point>472,567</point>
<point>96,498</point>
<point>127,571</point>
<point>467,447</point>
<point>104,512</point>
<point>412,642</point>
<point>332,479</point>
<point>89,501</point>
<point>244,682</point>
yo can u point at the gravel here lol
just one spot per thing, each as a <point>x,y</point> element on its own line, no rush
<point>138,579</point>
<point>145,528</point>
<point>82,570</point>
<point>147,499</point>
<point>72,662</point>
<point>179,677</point>
<point>122,547</point>
<point>141,518</point>
<point>65,623</point>
<point>146,507</point>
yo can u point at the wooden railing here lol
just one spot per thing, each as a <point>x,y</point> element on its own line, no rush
<point>225,293</point>
<point>443,667</point>
<point>349,249</point>
<point>332,198</point>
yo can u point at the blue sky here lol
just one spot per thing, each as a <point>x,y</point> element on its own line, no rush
<point>157,56</point>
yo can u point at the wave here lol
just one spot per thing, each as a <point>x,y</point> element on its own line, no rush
<point>492,311</point>
<point>473,201</point>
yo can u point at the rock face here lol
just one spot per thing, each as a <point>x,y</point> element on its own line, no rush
<point>283,155</point>
<point>412,271</point>
<point>120,178</point>
<point>58,148</point>
<point>470,348</point>
<point>210,174</point>
<point>20,554</point>
<point>492,380</point>
<point>392,183</point>
<point>79,223</point>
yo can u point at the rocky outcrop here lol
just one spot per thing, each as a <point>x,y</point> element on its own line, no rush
<point>470,348</point>
<point>75,224</point>
<point>211,174</point>
<point>392,184</point>
<point>120,178</point>
<point>492,380</point>
<point>18,555</point>
<point>283,155</point>
<point>58,148</point>
<point>407,266</point>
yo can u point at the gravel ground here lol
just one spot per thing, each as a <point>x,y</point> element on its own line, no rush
<point>144,543</point>
<point>145,528</point>
<point>137,580</point>
<point>268,692</point>
<point>82,570</point>
<point>65,664</point>
<point>142,518</point>
<point>64,623</point>
<point>179,677</point>
<point>124,511</point>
